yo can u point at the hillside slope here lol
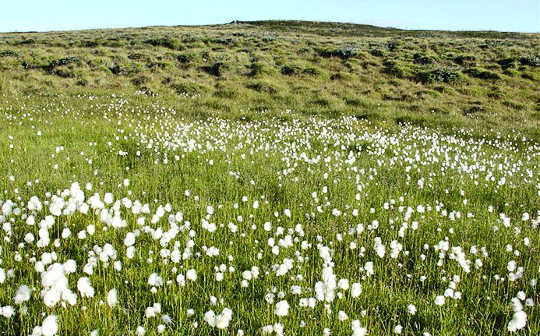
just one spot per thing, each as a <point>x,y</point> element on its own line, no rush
<point>486,80</point>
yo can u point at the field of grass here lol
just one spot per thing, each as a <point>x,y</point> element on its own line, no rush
<point>269,178</point>
<point>485,80</point>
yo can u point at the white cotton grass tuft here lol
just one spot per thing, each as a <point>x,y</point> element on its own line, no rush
<point>155,280</point>
<point>220,321</point>
<point>191,275</point>
<point>282,308</point>
<point>7,311</point>
<point>356,289</point>
<point>357,329</point>
<point>411,309</point>
<point>223,319</point>
<point>439,300</point>
<point>22,295</point>
<point>140,331</point>
<point>342,316</point>
<point>85,288</point>
<point>398,329</point>
<point>518,322</point>
<point>112,298</point>
<point>49,326</point>
<point>55,286</point>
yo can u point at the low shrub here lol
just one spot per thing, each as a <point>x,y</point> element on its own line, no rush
<point>290,70</point>
<point>64,73</point>
<point>256,68</point>
<point>9,53</point>
<point>343,53</point>
<point>507,63</point>
<point>423,59</point>
<point>140,80</point>
<point>262,87</point>
<point>445,75</point>
<point>115,69</point>
<point>465,60</point>
<point>376,52</point>
<point>531,60</point>
<point>188,88</point>
<point>136,56</point>
<point>173,44</point>
<point>482,74</point>
<point>312,71</point>
<point>395,69</point>
<point>185,58</point>
<point>216,69</point>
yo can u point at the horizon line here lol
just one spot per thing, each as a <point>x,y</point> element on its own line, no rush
<point>267,20</point>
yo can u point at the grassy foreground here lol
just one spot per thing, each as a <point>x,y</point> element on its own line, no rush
<point>131,209</point>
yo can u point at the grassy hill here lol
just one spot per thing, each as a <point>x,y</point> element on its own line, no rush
<point>269,178</point>
<point>485,80</point>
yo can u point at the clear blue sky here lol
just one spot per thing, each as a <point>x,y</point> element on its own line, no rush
<point>43,15</point>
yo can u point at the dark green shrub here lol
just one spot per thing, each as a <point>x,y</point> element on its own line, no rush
<point>65,61</point>
<point>226,93</point>
<point>290,70</point>
<point>115,69</point>
<point>24,42</point>
<point>62,62</point>
<point>465,60</point>
<point>366,65</point>
<point>353,102</point>
<point>215,70</point>
<point>225,41</point>
<point>136,56</point>
<point>256,69</point>
<point>482,74</point>
<point>140,80</point>
<point>423,59</point>
<point>113,43</point>
<point>445,75</point>
<point>312,71</point>
<point>395,69</point>
<point>513,105</point>
<point>392,45</point>
<point>507,63</point>
<point>343,53</point>
<point>376,53</point>
<point>64,73</point>
<point>188,88</point>
<point>530,76</point>
<point>156,65</point>
<point>173,44</point>
<point>82,82</point>
<point>89,44</point>
<point>185,58</point>
<point>531,60</point>
<point>9,53</point>
<point>320,102</point>
<point>262,87</point>
<point>337,76</point>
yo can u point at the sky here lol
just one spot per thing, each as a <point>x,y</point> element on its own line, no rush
<point>46,15</point>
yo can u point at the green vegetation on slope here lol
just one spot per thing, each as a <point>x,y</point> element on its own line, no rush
<point>485,80</point>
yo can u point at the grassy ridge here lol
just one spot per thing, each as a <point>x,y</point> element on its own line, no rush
<point>485,80</point>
